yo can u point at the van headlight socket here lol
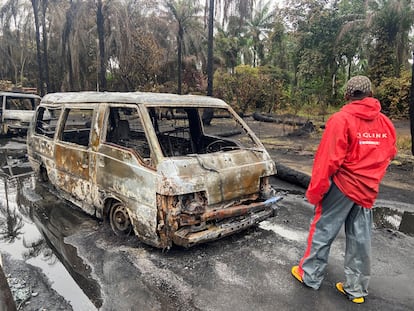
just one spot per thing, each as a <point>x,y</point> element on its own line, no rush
<point>266,190</point>
<point>192,204</point>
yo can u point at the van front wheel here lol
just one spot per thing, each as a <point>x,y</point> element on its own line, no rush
<point>119,219</point>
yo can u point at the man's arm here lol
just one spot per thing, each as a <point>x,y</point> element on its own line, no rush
<point>328,158</point>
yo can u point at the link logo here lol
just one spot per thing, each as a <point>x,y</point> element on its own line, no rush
<point>368,138</point>
<point>372,135</point>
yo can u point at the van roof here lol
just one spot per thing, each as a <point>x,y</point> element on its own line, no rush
<point>17,94</point>
<point>146,98</point>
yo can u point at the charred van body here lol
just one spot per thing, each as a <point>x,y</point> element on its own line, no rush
<point>148,164</point>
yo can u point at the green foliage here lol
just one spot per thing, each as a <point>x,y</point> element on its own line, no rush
<point>249,88</point>
<point>227,47</point>
<point>224,85</point>
<point>390,27</point>
<point>393,94</point>
<point>137,69</point>
<point>304,52</point>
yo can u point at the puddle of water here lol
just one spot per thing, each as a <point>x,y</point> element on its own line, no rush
<point>25,234</point>
<point>383,217</point>
<point>56,222</point>
<point>284,232</point>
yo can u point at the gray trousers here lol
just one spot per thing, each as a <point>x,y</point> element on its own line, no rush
<point>329,216</point>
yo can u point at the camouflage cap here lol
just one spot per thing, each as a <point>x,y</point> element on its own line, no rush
<point>358,87</point>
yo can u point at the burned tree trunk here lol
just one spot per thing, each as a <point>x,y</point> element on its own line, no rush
<point>290,175</point>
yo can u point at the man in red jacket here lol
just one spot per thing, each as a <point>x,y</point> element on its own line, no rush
<point>352,158</point>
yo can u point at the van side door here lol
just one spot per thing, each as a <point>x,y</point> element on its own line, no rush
<point>125,170</point>
<point>72,155</point>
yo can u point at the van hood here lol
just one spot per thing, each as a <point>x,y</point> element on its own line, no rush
<point>21,115</point>
<point>222,175</point>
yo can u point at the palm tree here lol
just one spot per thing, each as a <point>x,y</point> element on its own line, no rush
<point>137,44</point>
<point>258,28</point>
<point>226,9</point>
<point>39,13</point>
<point>230,7</point>
<point>45,45</point>
<point>54,20</point>
<point>388,23</point>
<point>77,40</point>
<point>391,23</point>
<point>210,49</point>
<point>101,44</point>
<point>185,13</point>
<point>35,5</point>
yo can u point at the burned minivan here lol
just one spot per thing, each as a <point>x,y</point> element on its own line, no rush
<point>16,111</point>
<point>148,164</point>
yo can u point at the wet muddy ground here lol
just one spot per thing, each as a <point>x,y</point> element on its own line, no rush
<point>58,258</point>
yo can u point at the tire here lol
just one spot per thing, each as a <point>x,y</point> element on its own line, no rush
<point>119,219</point>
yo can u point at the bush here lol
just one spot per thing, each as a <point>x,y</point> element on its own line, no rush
<point>248,89</point>
<point>393,93</point>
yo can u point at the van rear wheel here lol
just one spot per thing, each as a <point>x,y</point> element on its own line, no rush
<point>119,220</point>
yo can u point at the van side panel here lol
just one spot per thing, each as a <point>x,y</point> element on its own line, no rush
<point>72,165</point>
<point>121,175</point>
<point>41,151</point>
<point>72,160</point>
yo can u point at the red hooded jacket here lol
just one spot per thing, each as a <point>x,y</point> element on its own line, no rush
<point>354,152</point>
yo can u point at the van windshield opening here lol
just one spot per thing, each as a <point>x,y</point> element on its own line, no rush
<point>180,131</point>
<point>21,103</point>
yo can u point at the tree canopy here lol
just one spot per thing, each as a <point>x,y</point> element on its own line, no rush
<point>301,53</point>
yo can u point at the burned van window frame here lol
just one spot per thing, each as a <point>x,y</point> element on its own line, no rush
<point>47,120</point>
<point>172,127</point>
<point>180,131</point>
<point>124,127</point>
<point>224,125</point>
<point>73,131</point>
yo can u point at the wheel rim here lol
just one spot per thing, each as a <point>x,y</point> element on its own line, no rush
<point>119,219</point>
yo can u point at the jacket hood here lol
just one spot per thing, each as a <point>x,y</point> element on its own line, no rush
<point>367,108</point>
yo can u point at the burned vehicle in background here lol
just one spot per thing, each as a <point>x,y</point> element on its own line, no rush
<point>148,164</point>
<point>16,111</point>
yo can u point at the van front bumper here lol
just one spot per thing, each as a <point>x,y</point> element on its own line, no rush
<point>187,237</point>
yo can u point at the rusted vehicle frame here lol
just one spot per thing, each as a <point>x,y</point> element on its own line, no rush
<point>174,192</point>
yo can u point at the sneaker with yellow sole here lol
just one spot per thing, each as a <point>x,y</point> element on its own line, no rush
<point>340,288</point>
<point>296,273</point>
